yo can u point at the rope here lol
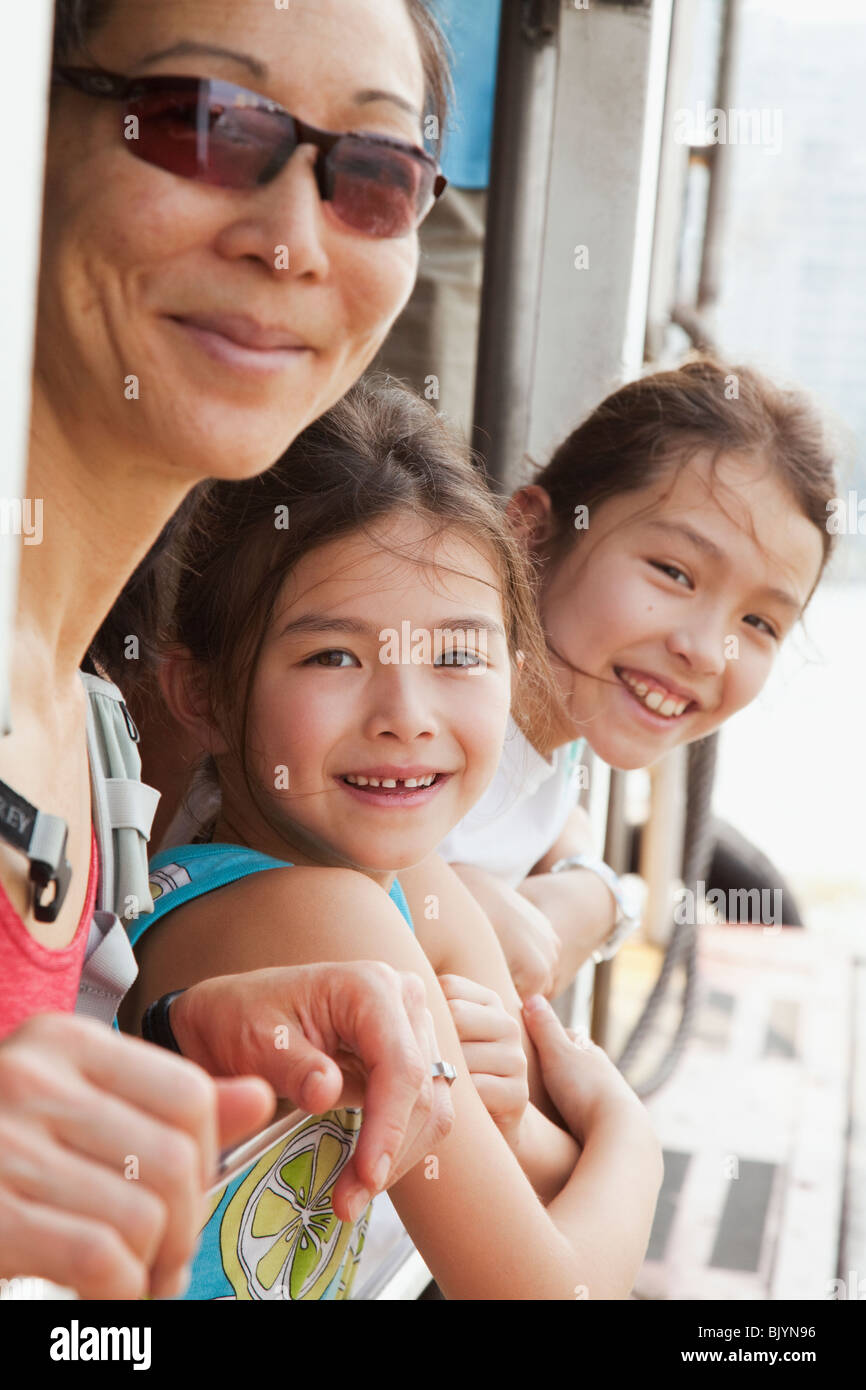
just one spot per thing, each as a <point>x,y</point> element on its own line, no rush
<point>683,945</point>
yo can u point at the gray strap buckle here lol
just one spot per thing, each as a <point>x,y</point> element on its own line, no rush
<point>42,838</point>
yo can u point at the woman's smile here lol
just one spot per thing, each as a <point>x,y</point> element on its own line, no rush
<point>244,312</point>
<point>240,348</point>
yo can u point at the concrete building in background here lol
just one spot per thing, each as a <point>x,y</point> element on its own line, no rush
<point>793,296</point>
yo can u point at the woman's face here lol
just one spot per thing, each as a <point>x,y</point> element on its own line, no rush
<point>134,257</point>
<point>674,603</point>
<point>375,665</point>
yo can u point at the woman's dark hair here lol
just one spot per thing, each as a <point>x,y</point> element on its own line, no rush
<point>378,452</point>
<point>658,422</point>
<point>76,21</point>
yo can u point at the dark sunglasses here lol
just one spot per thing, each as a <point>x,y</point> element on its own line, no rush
<point>214,132</point>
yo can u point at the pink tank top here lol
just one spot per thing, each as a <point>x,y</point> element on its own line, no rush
<point>33,978</point>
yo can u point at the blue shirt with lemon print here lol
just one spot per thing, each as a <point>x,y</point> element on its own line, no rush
<point>272,1232</point>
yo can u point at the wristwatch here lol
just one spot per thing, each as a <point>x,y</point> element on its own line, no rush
<point>627,896</point>
<point>155,1024</point>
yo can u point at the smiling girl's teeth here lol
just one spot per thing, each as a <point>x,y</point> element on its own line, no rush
<point>667,705</point>
<point>390,782</point>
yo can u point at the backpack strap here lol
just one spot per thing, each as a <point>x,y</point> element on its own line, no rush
<point>123,805</point>
<point>123,811</point>
<point>109,968</point>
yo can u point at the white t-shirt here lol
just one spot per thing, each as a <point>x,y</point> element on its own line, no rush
<point>523,811</point>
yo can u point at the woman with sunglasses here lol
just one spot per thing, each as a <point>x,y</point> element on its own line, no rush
<point>232,194</point>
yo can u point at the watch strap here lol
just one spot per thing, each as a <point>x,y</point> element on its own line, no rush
<point>597,866</point>
<point>624,924</point>
<point>155,1024</point>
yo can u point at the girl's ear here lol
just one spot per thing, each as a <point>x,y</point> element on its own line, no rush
<point>530,515</point>
<point>184,689</point>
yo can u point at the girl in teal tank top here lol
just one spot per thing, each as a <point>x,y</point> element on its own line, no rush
<point>272,1232</point>
<point>351,631</point>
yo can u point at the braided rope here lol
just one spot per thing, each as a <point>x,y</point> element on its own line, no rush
<point>683,945</point>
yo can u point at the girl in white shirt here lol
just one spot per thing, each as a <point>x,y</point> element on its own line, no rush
<point>677,535</point>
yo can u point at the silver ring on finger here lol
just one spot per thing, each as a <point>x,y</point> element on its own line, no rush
<point>445,1070</point>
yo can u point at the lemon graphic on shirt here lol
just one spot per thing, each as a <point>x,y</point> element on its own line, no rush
<point>279,1236</point>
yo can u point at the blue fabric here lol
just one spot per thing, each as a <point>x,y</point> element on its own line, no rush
<point>211,866</point>
<point>206,867</point>
<point>472,28</point>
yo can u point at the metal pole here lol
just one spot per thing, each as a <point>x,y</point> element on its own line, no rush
<point>616,855</point>
<point>718,195</point>
<point>520,163</point>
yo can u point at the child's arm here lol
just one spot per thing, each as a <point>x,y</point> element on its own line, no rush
<point>491,1041</point>
<point>477,1223</point>
<point>492,1050</point>
<point>459,940</point>
<point>581,911</point>
<point>528,940</point>
<point>576,903</point>
<point>549,925</point>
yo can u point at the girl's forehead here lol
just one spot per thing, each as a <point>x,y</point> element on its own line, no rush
<point>729,506</point>
<point>395,560</point>
<point>709,479</point>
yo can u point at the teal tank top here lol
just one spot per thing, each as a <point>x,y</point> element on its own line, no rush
<point>271,1232</point>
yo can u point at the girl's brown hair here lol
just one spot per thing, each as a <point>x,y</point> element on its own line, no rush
<point>379,451</point>
<point>658,422</point>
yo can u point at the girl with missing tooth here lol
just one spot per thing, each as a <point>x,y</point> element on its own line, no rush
<point>275,666</point>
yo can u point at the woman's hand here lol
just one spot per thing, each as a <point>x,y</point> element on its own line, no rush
<point>581,1080</point>
<point>107,1145</point>
<point>492,1050</point>
<point>351,1033</point>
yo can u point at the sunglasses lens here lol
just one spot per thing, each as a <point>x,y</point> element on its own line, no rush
<point>209,141</point>
<point>377,189</point>
<point>200,130</point>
